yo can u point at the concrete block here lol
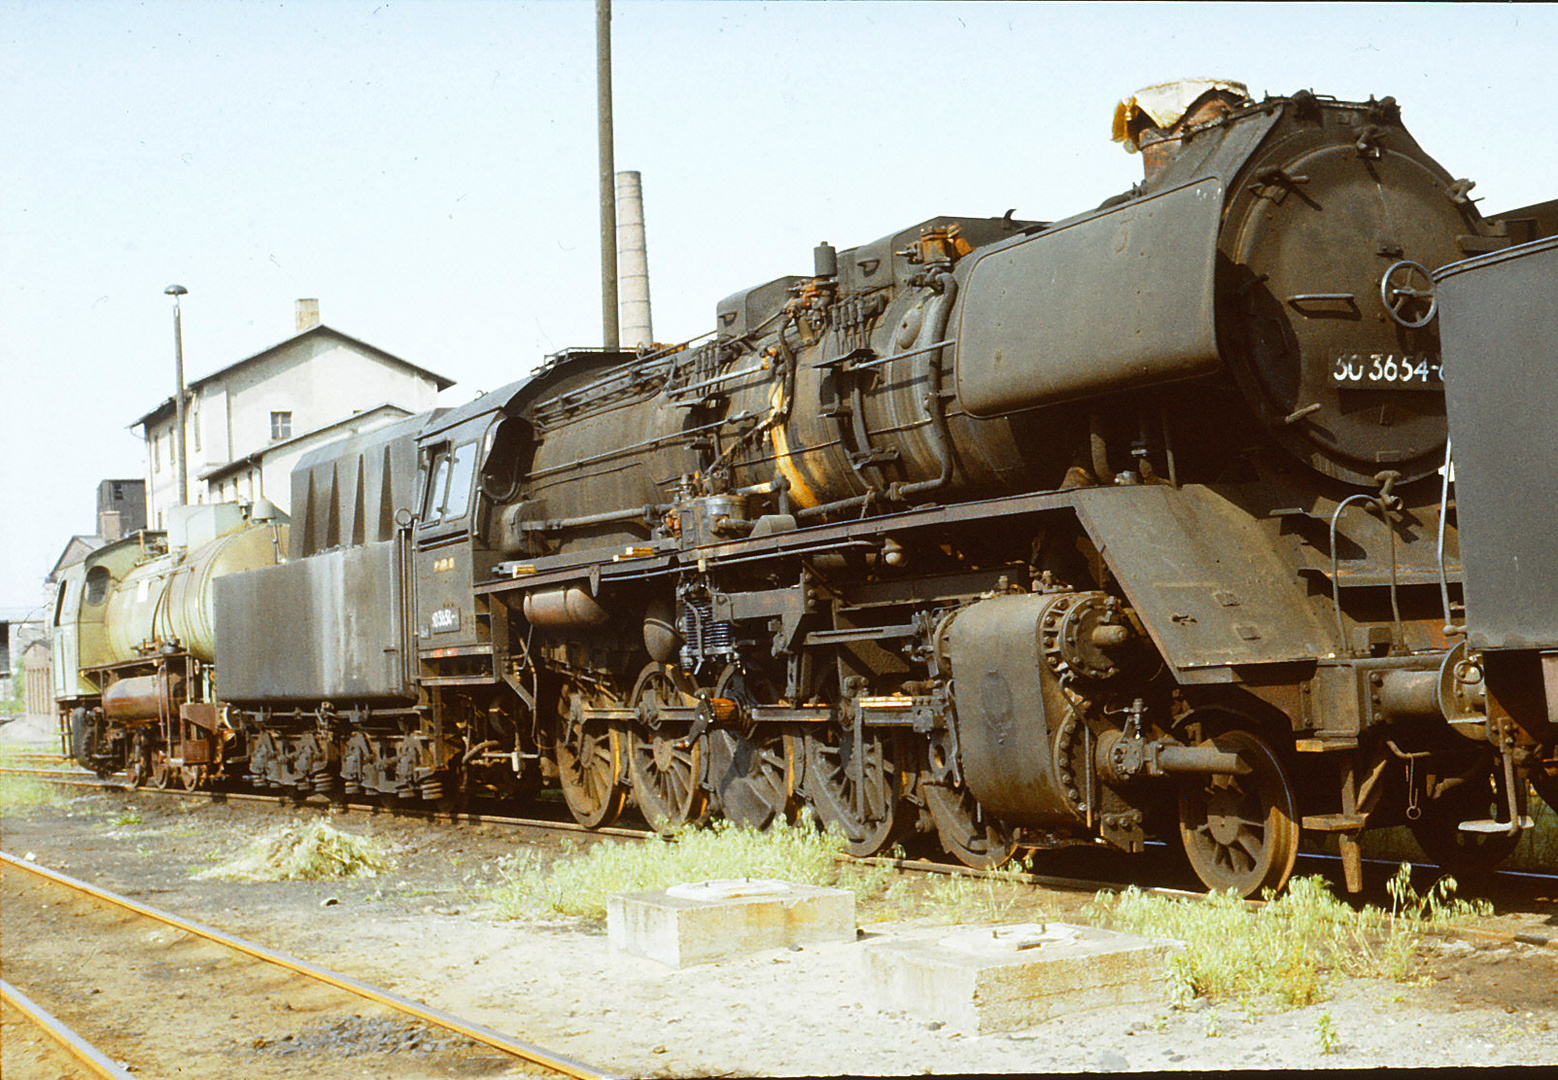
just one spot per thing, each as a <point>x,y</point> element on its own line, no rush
<point>1004,978</point>
<point>704,921</point>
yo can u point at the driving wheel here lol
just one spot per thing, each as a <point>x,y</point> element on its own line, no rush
<point>854,785</point>
<point>664,768</point>
<point>587,760</point>
<point>972,837</point>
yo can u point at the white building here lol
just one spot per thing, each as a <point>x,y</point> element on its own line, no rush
<point>249,423</point>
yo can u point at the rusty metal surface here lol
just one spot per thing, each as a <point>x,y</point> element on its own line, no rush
<point>1499,316</point>
<point>1008,712</point>
<point>1205,579</point>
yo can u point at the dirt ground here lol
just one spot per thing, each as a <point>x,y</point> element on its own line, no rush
<point>425,930</point>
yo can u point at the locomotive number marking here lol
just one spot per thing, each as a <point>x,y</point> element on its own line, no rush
<point>1386,371</point>
<point>445,619</point>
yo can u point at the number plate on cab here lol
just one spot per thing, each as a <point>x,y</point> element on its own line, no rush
<point>1386,371</point>
<point>445,619</point>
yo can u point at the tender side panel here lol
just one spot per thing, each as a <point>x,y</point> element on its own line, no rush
<point>1499,328</point>
<point>326,628</point>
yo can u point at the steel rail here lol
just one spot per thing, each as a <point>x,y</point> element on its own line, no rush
<point>90,1056</point>
<point>527,1051</point>
<point>905,865</point>
<point>456,818</point>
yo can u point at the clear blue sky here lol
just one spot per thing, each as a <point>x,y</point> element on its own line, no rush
<point>428,170</point>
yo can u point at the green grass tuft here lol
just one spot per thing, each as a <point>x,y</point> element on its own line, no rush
<point>25,793</point>
<point>579,884</point>
<point>1290,951</point>
<point>310,852</point>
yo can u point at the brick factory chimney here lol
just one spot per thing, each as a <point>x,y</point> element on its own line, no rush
<point>636,326</point>
<point>307,314</point>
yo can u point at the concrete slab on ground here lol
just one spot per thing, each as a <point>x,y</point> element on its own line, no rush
<point>705,921</point>
<point>1005,978</point>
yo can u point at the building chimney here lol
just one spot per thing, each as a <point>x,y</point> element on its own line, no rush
<point>632,263</point>
<point>307,314</point>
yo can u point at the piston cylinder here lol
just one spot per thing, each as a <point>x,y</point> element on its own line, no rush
<point>146,697</point>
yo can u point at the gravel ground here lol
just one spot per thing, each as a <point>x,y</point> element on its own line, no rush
<point>425,931</point>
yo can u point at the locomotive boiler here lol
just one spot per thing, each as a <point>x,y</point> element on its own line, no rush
<point>135,643</point>
<point>1118,527</point>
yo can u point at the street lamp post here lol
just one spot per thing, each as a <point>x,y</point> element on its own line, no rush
<point>177,291</point>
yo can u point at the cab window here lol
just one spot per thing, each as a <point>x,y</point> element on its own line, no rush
<point>449,486</point>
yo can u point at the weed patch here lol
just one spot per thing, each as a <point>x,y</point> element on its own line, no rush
<point>579,884</point>
<point>1290,951</point>
<point>25,793</point>
<point>298,852</point>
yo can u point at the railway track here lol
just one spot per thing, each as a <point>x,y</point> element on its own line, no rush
<point>1326,865</point>
<point>74,1051</point>
<point>184,947</point>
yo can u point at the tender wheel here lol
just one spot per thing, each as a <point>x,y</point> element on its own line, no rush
<point>973,839</point>
<point>856,786</point>
<point>1241,831</point>
<point>667,777</point>
<point>192,777</point>
<point>1438,831</point>
<point>587,758</point>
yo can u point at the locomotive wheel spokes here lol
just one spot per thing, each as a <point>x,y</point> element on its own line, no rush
<point>192,777</point>
<point>667,777</point>
<point>973,839</point>
<point>587,757</point>
<point>748,767</point>
<point>855,786</point>
<point>163,775</point>
<point>1438,831</point>
<point>1240,831</point>
<point>137,766</point>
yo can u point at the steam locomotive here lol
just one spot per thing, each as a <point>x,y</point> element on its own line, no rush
<point>1126,526</point>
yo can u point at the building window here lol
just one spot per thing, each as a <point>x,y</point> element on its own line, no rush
<point>281,425</point>
<point>118,492</point>
<point>156,452</point>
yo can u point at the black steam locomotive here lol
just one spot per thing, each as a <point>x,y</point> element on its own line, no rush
<point>1023,533</point>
